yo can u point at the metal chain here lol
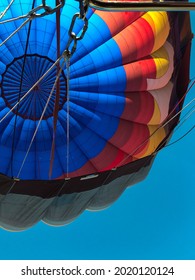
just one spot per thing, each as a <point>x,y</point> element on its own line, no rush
<point>30,16</point>
<point>47,10</point>
<point>74,38</point>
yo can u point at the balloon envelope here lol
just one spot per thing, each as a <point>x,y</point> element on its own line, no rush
<point>127,77</point>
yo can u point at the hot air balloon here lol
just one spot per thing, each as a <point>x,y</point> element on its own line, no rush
<point>75,132</point>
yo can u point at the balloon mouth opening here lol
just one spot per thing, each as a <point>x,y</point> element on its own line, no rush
<point>27,91</point>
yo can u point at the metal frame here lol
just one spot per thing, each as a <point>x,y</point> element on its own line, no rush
<point>111,5</point>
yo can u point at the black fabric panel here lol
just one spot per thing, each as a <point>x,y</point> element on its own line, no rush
<point>47,189</point>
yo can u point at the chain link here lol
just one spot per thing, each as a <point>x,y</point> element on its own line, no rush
<point>47,9</point>
<point>83,6</point>
<point>74,38</point>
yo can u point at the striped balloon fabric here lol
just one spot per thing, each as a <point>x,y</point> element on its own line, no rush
<point>127,78</point>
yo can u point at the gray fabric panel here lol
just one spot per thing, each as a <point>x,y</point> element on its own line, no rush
<point>19,212</point>
<point>66,208</point>
<point>109,193</point>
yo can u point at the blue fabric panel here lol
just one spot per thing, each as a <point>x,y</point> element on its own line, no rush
<point>96,75</point>
<point>94,37</point>
<point>111,80</point>
<point>103,57</point>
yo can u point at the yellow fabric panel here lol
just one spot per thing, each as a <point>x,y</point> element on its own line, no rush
<point>156,136</point>
<point>161,59</point>
<point>160,25</point>
<point>156,118</point>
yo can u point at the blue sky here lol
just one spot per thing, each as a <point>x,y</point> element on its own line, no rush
<point>153,220</point>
